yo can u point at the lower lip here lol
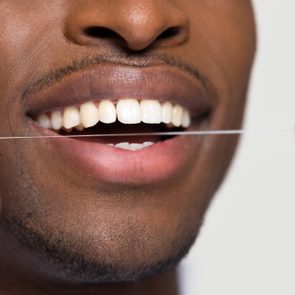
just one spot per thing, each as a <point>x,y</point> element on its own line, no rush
<point>162,161</point>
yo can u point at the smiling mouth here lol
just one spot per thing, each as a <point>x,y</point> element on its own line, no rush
<point>121,99</point>
<point>124,116</point>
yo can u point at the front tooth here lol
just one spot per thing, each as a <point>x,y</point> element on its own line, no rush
<point>151,111</point>
<point>128,111</point>
<point>44,121</point>
<point>136,146</point>
<point>186,120</point>
<point>123,145</point>
<point>56,120</point>
<point>177,113</point>
<point>148,143</point>
<point>107,112</point>
<point>167,112</point>
<point>89,114</point>
<point>71,117</point>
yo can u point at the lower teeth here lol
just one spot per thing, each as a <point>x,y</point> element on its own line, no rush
<point>132,146</point>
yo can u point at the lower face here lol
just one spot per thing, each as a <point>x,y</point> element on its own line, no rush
<point>97,210</point>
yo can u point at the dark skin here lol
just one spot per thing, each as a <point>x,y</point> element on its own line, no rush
<point>48,207</point>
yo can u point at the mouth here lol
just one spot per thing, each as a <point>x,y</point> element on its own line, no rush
<point>121,117</point>
<point>126,100</point>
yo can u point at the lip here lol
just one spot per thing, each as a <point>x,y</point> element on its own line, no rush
<point>164,83</point>
<point>160,162</point>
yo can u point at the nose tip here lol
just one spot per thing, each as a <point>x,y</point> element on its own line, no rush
<point>143,25</point>
<point>135,24</point>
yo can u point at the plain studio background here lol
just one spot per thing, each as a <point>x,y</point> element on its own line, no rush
<point>247,245</point>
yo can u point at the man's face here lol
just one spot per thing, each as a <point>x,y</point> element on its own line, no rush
<point>81,208</point>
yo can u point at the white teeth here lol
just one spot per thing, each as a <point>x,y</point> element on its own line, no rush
<point>128,111</point>
<point>44,121</point>
<point>167,112</point>
<point>122,145</point>
<point>148,143</point>
<point>107,112</point>
<point>71,117</point>
<point>177,113</point>
<point>186,120</point>
<point>151,111</point>
<point>56,120</point>
<point>133,146</point>
<point>89,114</point>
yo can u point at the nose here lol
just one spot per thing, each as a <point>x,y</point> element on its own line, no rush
<point>134,24</point>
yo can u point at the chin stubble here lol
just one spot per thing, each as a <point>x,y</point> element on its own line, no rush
<point>60,263</point>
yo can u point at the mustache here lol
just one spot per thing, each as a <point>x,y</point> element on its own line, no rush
<point>132,60</point>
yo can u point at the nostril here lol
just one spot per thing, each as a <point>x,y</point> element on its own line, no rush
<point>100,32</point>
<point>135,38</point>
<point>169,33</point>
<point>106,33</point>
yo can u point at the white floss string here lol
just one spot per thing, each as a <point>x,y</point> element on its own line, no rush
<point>172,133</point>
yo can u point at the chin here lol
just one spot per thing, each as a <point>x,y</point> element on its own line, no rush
<point>126,257</point>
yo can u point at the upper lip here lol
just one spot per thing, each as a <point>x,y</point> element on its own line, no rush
<point>112,81</point>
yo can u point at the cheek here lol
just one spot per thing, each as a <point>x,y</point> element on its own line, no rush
<point>25,28</point>
<point>15,42</point>
<point>224,34</point>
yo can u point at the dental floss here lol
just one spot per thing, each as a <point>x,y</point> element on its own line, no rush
<point>172,133</point>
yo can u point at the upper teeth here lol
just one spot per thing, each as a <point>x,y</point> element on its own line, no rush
<point>127,111</point>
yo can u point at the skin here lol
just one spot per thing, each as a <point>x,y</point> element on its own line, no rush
<point>127,227</point>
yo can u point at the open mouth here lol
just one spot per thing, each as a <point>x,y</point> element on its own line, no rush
<point>126,100</point>
<point>123,116</point>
